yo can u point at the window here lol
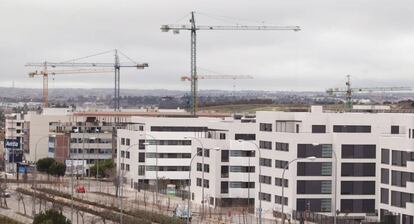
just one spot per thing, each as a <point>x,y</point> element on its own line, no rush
<point>314,169</point>
<point>319,151</point>
<point>141,170</point>
<point>314,187</point>
<point>359,151</point>
<point>318,129</point>
<point>122,154</point>
<point>224,155</point>
<point>199,167</point>
<point>286,126</point>
<point>206,183</point>
<point>242,169</point>
<point>224,171</point>
<point>385,156</point>
<point>358,205</point>
<point>407,219</point>
<point>265,127</point>
<point>278,200</point>
<point>122,141</point>
<point>265,162</point>
<point>224,187</point>
<point>352,128</point>
<point>127,167</point>
<point>400,199</point>
<point>241,153</point>
<point>206,152</point>
<point>313,205</point>
<point>199,182</point>
<point>358,169</point>
<point>395,129</point>
<point>264,196</point>
<point>384,196</point>
<point>178,129</point>
<point>281,146</point>
<point>207,168</point>
<point>246,137</point>
<point>279,182</point>
<point>358,187</point>
<point>282,164</point>
<point>399,178</point>
<point>128,141</point>
<point>400,158</point>
<point>385,176</point>
<point>265,179</point>
<point>222,136</point>
<point>265,145</point>
<point>127,154</point>
<point>239,184</point>
<point>141,144</point>
<point>141,157</point>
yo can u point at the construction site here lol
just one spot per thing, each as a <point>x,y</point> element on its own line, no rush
<point>335,155</point>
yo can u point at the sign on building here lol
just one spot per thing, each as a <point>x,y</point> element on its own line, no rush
<point>12,143</point>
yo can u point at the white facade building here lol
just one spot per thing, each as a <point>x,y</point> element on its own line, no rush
<point>357,165</point>
<point>151,147</point>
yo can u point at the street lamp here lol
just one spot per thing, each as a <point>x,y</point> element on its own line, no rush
<point>156,162</point>
<point>202,173</point>
<point>119,179</point>
<point>35,173</point>
<point>189,186</point>
<point>335,181</point>
<point>260,173</point>
<point>311,158</point>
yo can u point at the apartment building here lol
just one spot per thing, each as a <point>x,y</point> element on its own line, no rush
<point>369,155</point>
<point>397,172</point>
<point>229,165</point>
<point>13,140</point>
<point>83,142</point>
<point>152,147</point>
<point>358,165</point>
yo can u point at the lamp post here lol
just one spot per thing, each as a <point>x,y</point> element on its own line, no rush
<point>189,185</point>
<point>156,162</point>
<point>35,173</point>
<point>311,158</point>
<point>335,176</point>
<point>120,181</point>
<point>202,173</point>
<point>260,173</point>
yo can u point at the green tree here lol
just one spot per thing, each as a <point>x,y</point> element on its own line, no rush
<point>57,169</point>
<point>51,216</point>
<point>44,164</point>
<point>104,168</point>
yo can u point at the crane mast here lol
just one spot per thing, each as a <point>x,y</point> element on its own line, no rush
<point>193,30</point>
<point>104,67</point>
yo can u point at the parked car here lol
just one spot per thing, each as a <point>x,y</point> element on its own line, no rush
<point>181,211</point>
<point>5,194</point>
<point>80,189</point>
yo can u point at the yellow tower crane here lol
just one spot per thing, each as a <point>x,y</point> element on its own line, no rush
<point>46,73</point>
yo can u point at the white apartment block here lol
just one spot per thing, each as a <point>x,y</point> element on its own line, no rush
<point>368,154</point>
<point>229,165</point>
<point>357,140</point>
<point>152,147</point>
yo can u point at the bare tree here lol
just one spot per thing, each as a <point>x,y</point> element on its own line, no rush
<point>21,198</point>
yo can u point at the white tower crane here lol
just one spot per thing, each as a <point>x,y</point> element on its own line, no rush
<point>193,29</point>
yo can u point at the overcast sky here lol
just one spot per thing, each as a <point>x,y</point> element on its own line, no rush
<point>372,40</point>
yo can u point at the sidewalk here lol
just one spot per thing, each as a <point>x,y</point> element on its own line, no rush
<point>13,215</point>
